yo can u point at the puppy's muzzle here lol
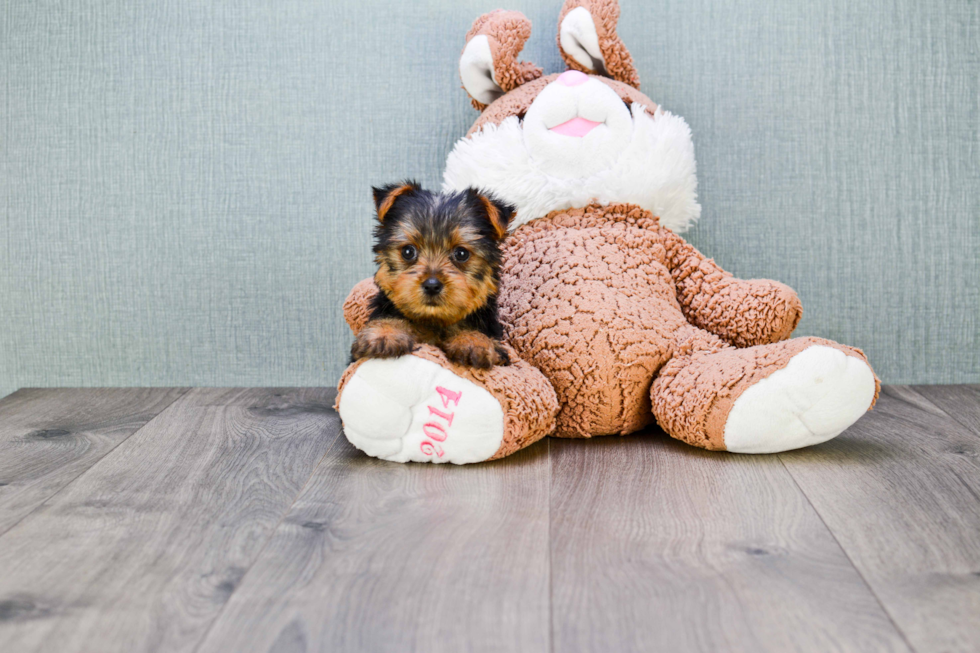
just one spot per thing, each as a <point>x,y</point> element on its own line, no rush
<point>431,287</point>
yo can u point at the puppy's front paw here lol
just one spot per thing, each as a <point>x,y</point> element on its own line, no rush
<point>382,339</point>
<point>502,357</point>
<point>474,349</point>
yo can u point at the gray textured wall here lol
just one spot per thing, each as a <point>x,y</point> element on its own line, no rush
<point>184,185</point>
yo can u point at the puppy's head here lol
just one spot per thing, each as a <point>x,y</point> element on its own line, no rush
<point>438,254</point>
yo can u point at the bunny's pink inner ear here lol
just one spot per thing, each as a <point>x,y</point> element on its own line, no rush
<point>489,66</point>
<point>588,41</point>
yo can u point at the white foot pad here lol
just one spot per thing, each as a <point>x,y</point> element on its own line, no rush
<point>819,393</point>
<point>410,409</point>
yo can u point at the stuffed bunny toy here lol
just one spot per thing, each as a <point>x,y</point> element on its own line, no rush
<point>611,319</point>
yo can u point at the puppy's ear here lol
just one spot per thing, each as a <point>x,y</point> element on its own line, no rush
<point>384,197</point>
<point>497,213</point>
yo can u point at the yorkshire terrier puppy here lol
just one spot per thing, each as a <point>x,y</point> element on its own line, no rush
<point>438,257</point>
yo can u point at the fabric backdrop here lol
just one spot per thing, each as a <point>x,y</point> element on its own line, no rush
<point>185,197</point>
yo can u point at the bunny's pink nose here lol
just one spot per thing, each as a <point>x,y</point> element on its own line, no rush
<point>573,78</point>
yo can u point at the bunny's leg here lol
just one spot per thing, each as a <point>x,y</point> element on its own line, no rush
<point>764,399</point>
<point>423,408</point>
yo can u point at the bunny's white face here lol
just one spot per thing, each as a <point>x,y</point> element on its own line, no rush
<point>577,126</point>
<point>577,144</point>
<point>563,141</point>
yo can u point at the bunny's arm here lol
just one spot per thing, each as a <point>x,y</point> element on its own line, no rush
<point>357,306</point>
<point>742,312</point>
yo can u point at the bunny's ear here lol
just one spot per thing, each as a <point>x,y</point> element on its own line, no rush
<point>489,66</point>
<point>588,41</point>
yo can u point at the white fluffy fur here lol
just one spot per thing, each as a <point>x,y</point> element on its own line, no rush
<point>819,393</point>
<point>656,170</point>
<point>385,410</point>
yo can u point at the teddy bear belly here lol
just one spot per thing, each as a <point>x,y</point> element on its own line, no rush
<point>590,302</point>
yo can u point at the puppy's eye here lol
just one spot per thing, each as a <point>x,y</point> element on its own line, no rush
<point>409,253</point>
<point>460,254</point>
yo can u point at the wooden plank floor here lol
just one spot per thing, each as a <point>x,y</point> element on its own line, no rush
<point>241,520</point>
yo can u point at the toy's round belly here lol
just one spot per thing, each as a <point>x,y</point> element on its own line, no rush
<point>585,297</point>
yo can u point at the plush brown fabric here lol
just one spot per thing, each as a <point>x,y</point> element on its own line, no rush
<point>742,312</point>
<point>356,306</point>
<point>506,32</point>
<point>526,398</point>
<point>605,15</point>
<point>603,299</point>
<point>588,298</point>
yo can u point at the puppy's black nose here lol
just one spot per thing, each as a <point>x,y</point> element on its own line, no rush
<point>432,286</point>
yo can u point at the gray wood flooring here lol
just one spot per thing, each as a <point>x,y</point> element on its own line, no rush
<point>226,520</point>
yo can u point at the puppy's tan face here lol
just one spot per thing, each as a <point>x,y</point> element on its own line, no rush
<point>438,254</point>
<point>436,275</point>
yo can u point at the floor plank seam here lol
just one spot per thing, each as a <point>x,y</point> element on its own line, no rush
<point>847,555</point>
<point>183,393</point>
<point>172,525</point>
<point>551,571</point>
<point>265,545</point>
<point>969,427</point>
